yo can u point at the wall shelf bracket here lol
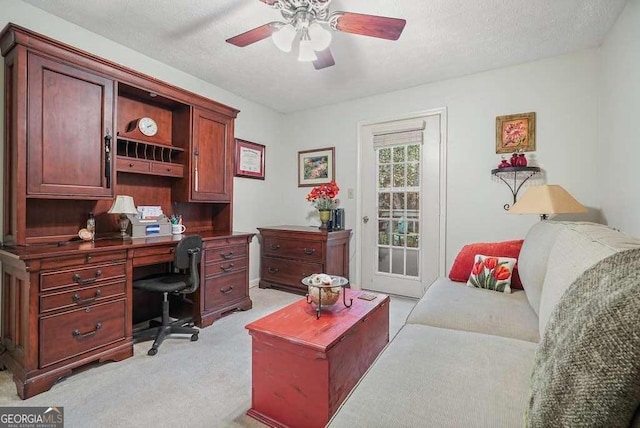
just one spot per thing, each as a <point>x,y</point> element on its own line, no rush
<point>514,177</point>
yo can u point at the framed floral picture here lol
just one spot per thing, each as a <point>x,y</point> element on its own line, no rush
<point>249,159</point>
<point>316,167</point>
<point>516,132</point>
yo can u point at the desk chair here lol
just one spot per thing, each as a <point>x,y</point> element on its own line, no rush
<point>185,280</point>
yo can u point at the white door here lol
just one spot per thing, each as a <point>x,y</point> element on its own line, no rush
<point>402,203</point>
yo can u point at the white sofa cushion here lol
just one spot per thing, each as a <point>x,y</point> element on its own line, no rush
<point>433,377</point>
<point>577,247</point>
<point>450,304</point>
<point>532,261</point>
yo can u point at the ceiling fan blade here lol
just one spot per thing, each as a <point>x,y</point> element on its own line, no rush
<point>368,25</point>
<point>269,2</point>
<point>325,59</point>
<point>252,36</point>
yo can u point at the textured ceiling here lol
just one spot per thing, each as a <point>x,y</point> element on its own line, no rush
<point>442,39</point>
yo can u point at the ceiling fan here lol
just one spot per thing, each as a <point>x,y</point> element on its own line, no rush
<point>306,20</point>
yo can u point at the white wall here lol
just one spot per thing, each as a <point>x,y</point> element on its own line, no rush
<point>563,93</point>
<point>252,203</point>
<point>619,137</point>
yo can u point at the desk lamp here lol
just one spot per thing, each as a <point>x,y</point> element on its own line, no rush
<point>547,199</point>
<point>123,205</point>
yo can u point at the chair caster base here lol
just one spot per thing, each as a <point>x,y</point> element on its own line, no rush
<point>194,337</point>
<point>152,352</point>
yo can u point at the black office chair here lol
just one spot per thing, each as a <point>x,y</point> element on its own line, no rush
<point>185,280</point>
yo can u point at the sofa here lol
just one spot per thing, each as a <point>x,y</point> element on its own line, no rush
<point>466,356</point>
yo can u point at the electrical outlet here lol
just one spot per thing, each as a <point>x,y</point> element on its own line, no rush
<point>350,193</point>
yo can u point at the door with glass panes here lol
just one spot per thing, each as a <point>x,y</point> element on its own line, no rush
<point>400,205</point>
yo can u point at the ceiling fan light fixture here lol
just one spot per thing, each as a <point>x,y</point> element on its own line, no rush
<point>320,37</point>
<point>283,38</point>
<point>307,52</point>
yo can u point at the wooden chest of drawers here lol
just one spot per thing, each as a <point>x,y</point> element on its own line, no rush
<point>80,313</point>
<point>289,253</point>
<point>225,272</point>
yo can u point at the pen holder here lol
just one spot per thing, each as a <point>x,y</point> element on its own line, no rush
<point>178,229</point>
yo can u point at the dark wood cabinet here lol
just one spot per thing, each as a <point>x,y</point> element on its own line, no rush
<point>290,253</point>
<point>60,312</point>
<point>67,303</point>
<point>226,278</point>
<point>70,110</point>
<point>211,157</point>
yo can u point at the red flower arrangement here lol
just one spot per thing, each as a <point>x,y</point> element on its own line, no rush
<point>322,196</point>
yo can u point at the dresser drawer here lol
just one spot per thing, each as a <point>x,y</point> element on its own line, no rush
<point>153,255</point>
<point>287,271</point>
<point>225,267</point>
<point>81,276</point>
<point>69,334</point>
<point>127,164</point>
<point>227,242</point>
<point>214,255</point>
<point>82,260</point>
<point>81,297</point>
<point>293,248</point>
<point>225,289</point>
<point>168,169</point>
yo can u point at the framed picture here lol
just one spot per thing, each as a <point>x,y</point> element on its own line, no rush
<point>316,167</point>
<point>249,159</point>
<point>516,132</point>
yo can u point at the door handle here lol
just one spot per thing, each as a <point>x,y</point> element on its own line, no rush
<point>365,219</point>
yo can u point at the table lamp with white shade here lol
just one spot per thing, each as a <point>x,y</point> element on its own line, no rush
<point>547,199</point>
<point>123,205</point>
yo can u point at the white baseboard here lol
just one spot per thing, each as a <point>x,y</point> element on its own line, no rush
<point>254,282</point>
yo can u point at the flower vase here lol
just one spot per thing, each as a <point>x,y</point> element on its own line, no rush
<point>325,215</point>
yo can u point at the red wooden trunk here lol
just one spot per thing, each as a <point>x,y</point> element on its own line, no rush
<point>303,367</point>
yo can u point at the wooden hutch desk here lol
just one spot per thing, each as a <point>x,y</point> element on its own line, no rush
<point>73,142</point>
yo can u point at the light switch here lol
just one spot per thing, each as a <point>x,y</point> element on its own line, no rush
<point>350,193</point>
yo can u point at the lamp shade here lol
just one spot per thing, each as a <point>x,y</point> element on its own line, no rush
<point>320,38</point>
<point>283,38</point>
<point>123,205</point>
<point>547,199</point>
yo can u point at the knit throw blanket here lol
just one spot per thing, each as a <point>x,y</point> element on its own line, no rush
<point>586,370</point>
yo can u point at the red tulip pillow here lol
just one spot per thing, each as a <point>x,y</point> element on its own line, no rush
<point>492,273</point>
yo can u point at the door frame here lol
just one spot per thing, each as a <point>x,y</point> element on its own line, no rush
<point>442,211</point>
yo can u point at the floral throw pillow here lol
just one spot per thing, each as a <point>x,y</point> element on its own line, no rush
<point>492,273</point>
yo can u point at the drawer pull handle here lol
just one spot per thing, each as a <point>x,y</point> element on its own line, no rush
<point>273,270</point>
<point>226,256</point>
<point>227,269</point>
<point>89,257</point>
<point>76,333</point>
<point>79,301</point>
<point>77,278</point>
<point>131,165</point>
<point>275,246</point>
<point>227,291</point>
<point>309,251</point>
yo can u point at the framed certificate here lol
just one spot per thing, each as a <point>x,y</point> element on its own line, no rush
<point>249,159</point>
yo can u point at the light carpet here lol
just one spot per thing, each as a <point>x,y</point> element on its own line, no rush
<point>188,384</point>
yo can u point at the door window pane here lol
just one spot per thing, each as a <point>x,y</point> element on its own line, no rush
<point>399,216</point>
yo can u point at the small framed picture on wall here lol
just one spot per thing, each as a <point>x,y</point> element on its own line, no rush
<point>516,133</point>
<point>316,167</point>
<point>249,159</point>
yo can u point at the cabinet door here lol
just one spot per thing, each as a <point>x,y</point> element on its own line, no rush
<point>69,112</point>
<point>212,157</point>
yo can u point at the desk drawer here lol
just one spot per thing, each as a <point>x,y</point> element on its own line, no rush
<point>287,271</point>
<point>72,333</point>
<point>225,267</point>
<point>82,260</point>
<point>168,169</point>
<point>293,249</point>
<point>81,297</point>
<point>128,164</point>
<point>225,242</point>
<point>222,254</point>
<point>225,289</point>
<point>83,276</point>
<point>153,255</point>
